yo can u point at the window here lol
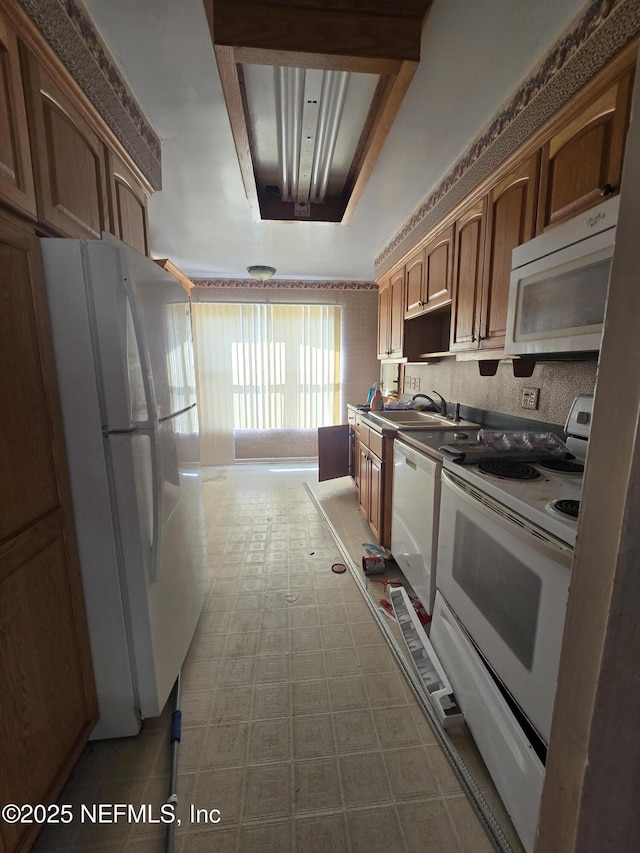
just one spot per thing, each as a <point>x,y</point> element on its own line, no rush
<point>276,366</point>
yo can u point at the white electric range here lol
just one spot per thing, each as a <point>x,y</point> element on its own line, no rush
<point>505,548</point>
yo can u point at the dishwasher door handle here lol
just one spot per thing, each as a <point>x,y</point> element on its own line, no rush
<point>411,463</point>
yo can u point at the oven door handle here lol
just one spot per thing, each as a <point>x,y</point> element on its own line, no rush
<point>523,530</point>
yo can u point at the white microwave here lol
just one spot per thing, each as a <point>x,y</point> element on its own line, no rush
<point>559,283</point>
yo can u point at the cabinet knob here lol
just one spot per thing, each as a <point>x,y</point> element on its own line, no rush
<point>607,189</point>
<point>482,337</point>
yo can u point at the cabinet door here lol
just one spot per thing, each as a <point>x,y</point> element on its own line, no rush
<point>128,205</point>
<point>375,495</point>
<point>438,270</point>
<point>49,702</point>
<point>511,207</point>
<point>364,479</point>
<point>582,162</point>
<point>333,452</point>
<point>70,161</point>
<point>467,277</point>
<point>16,177</point>
<point>414,294</point>
<point>384,318</point>
<point>396,320</point>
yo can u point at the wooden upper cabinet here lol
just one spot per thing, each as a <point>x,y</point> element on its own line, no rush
<point>467,276</point>
<point>582,162</point>
<point>128,202</point>
<point>16,176</point>
<point>69,161</point>
<point>511,210</point>
<point>428,275</point>
<point>384,317</point>
<point>396,321</point>
<point>414,290</point>
<point>391,316</point>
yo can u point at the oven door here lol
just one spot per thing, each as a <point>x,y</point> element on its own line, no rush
<point>507,582</point>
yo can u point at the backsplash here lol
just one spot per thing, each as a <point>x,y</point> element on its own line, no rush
<point>460,382</point>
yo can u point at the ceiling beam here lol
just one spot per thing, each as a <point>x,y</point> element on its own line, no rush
<point>381,29</point>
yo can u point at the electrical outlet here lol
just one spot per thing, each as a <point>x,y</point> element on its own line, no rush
<point>417,384</point>
<point>530,398</point>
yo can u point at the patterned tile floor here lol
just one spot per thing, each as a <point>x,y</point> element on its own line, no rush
<point>298,725</point>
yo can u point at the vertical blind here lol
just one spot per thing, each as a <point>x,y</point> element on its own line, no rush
<point>265,366</point>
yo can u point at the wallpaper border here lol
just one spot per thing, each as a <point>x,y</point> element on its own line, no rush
<point>286,283</point>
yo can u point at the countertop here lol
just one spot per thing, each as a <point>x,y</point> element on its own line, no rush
<point>425,440</point>
<point>429,440</point>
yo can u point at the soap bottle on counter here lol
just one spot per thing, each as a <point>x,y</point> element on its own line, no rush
<point>377,403</point>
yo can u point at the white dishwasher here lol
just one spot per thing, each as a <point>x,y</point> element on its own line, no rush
<point>414,518</point>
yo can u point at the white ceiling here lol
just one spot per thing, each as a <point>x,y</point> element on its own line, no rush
<point>474,55</point>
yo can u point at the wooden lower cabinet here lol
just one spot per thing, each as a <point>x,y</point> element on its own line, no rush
<point>363,479</point>
<point>371,469</point>
<point>49,705</point>
<point>376,493</point>
<point>370,492</point>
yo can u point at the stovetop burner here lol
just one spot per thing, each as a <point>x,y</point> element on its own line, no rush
<point>562,465</point>
<point>509,470</point>
<point>570,508</point>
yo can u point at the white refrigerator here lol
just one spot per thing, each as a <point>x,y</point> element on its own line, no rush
<point>124,360</point>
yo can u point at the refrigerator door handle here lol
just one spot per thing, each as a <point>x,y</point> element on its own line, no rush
<point>155,507</point>
<point>142,352</point>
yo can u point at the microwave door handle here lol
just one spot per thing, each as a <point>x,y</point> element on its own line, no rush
<point>555,550</point>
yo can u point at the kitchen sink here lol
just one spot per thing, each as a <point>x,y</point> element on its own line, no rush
<point>420,420</point>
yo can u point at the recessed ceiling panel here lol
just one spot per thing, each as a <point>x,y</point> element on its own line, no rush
<point>311,100</point>
<point>312,117</point>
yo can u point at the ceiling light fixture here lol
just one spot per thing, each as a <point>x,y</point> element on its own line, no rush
<point>307,150</point>
<point>309,105</point>
<point>261,272</point>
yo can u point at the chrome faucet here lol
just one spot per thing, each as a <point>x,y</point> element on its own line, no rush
<point>436,408</point>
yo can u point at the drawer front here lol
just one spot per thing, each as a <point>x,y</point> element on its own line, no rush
<point>362,431</point>
<point>375,442</point>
